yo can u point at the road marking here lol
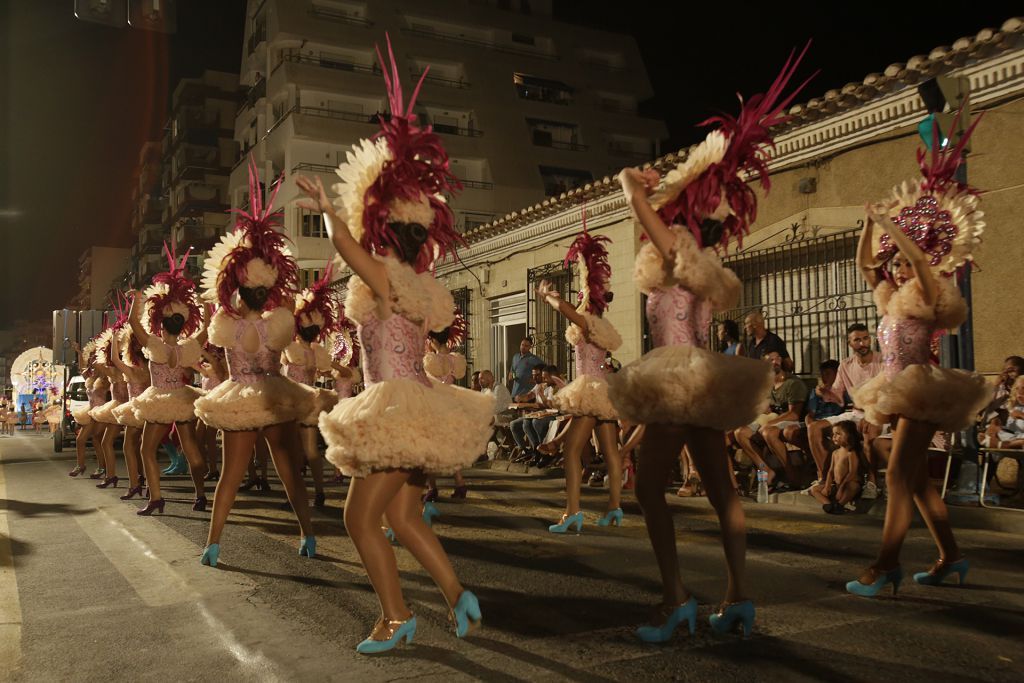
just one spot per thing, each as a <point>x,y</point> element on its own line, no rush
<point>10,606</point>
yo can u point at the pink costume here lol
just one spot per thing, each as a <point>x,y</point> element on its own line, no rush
<point>303,363</point>
<point>169,398</point>
<point>97,397</point>
<point>125,413</point>
<point>255,394</point>
<point>118,397</point>
<point>403,419</point>
<point>446,368</point>
<point>587,394</point>
<point>909,384</point>
<point>680,381</point>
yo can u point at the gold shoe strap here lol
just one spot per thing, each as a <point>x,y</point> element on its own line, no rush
<point>385,629</point>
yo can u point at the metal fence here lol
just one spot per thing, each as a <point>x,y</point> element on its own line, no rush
<point>809,289</point>
<point>462,302</point>
<point>545,325</point>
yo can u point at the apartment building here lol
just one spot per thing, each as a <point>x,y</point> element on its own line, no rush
<point>528,107</point>
<point>100,272</point>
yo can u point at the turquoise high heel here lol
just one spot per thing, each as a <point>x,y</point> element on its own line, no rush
<point>390,535</point>
<point>870,590</point>
<point>466,613</point>
<point>687,612</point>
<point>395,631</point>
<point>612,517</point>
<point>430,513</point>
<point>210,555</point>
<point>307,547</point>
<point>567,523</point>
<point>728,616</point>
<point>940,570</point>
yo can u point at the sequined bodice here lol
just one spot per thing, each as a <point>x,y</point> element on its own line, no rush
<point>97,397</point>
<point>392,349</point>
<point>904,341</point>
<point>163,376</point>
<point>589,359</point>
<point>250,368</point>
<point>136,388</point>
<point>678,317</point>
<point>210,383</point>
<point>343,389</point>
<point>119,392</point>
<point>303,374</point>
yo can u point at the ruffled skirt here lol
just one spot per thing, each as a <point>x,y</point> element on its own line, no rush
<point>237,407</point>
<point>124,414</point>
<point>105,412</point>
<point>401,423</point>
<point>82,416</point>
<point>166,406</point>
<point>587,395</point>
<point>323,401</point>
<point>948,398</point>
<point>687,385</point>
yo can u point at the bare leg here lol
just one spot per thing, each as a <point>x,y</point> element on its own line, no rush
<point>936,516</point>
<point>109,454</point>
<point>608,437</point>
<point>97,445</point>
<point>743,438</point>
<point>707,448</point>
<point>905,477</point>
<point>848,492</point>
<point>773,437</point>
<point>816,434</point>
<point>132,443</point>
<point>406,520</point>
<point>575,441</point>
<point>368,498</point>
<point>196,461</point>
<point>312,453</point>
<point>153,435</point>
<point>871,432</point>
<point>459,479</point>
<point>238,448</point>
<point>658,450</point>
<point>285,451</point>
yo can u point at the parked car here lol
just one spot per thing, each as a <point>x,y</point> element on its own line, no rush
<point>75,397</point>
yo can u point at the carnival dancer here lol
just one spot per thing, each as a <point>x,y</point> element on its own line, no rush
<point>306,359</point>
<point>586,397</point>
<point>172,316</point>
<point>214,370</point>
<point>684,393</point>
<point>130,360</point>
<point>444,364</point>
<point>930,226</point>
<point>393,224</point>
<point>251,275</point>
<point>107,350</point>
<point>96,386</point>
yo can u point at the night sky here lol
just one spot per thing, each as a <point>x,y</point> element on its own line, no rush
<point>80,98</point>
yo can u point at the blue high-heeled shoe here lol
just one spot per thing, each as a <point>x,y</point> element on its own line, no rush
<point>396,631</point>
<point>430,513</point>
<point>870,590</point>
<point>307,547</point>
<point>567,522</point>
<point>687,612</point>
<point>210,555</point>
<point>727,616</point>
<point>611,518</point>
<point>466,613</point>
<point>390,535</point>
<point>940,570</point>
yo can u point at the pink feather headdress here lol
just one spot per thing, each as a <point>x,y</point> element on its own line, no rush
<point>595,271</point>
<point>399,175</point>
<point>318,305</point>
<point>254,254</point>
<point>172,292</point>
<point>693,190</point>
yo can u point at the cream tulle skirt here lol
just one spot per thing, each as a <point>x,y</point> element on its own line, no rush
<point>235,407</point>
<point>587,395</point>
<point>945,397</point>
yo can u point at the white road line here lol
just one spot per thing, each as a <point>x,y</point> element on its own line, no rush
<point>10,605</point>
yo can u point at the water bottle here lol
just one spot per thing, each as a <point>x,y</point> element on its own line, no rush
<point>762,485</point>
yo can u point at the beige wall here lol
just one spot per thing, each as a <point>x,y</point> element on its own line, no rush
<point>108,264</point>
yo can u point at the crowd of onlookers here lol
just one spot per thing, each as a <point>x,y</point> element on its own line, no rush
<point>813,439</point>
<point>33,415</point>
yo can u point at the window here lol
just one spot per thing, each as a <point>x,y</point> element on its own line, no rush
<point>558,180</point>
<point>545,325</point>
<point>307,276</point>
<point>555,134</point>
<point>311,224</point>
<point>462,303</point>
<point>542,89</point>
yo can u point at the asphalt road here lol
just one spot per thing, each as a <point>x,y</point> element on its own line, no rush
<point>99,594</point>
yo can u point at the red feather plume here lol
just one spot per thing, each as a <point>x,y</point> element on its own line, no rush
<point>595,257</point>
<point>180,289</point>
<point>325,302</point>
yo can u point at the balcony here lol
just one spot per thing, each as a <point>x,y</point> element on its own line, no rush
<point>449,129</point>
<point>477,185</point>
<point>258,36</point>
<point>151,241</point>
<point>487,45</point>
<point>326,61</point>
<point>542,90</point>
<point>460,83</point>
<point>332,14</point>
<point>254,94</point>
<point>313,168</point>
<point>194,233</point>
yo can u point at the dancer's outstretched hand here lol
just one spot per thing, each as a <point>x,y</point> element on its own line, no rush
<point>316,197</point>
<point>549,294</point>
<point>638,183</point>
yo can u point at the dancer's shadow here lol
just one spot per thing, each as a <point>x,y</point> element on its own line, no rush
<point>24,508</point>
<point>457,662</point>
<point>18,549</point>
<point>532,658</point>
<point>295,578</point>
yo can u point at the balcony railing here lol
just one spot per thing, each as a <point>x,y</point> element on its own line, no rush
<point>326,61</point>
<point>460,82</point>
<point>463,40</point>
<point>259,35</point>
<point>253,95</point>
<point>557,144</point>
<point>477,185</point>
<point>544,94</point>
<point>315,168</point>
<point>331,14</point>
<point>629,153</point>
<point>449,129</point>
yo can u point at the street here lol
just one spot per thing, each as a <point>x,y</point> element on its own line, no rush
<point>100,594</point>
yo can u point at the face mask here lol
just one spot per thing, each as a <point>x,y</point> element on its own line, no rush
<point>174,324</point>
<point>309,333</point>
<point>255,297</point>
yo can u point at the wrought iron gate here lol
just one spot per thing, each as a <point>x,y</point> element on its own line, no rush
<point>545,325</point>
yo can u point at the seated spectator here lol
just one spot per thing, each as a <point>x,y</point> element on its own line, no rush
<point>761,341</point>
<point>842,484</point>
<point>861,365</point>
<point>502,399</point>
<point>821,404</point>
<point>1011,435</point>
<point>474,381</point>
<point>996,413</point>
<point>531,430</point>
<point>786,406</point>
<point>529,397</point>
<point>729,338</point>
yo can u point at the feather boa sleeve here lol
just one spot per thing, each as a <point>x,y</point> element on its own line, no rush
<point>321,357</point>
<point>294,354</point>
<point>600,332</point>
<point>189,353</point>
<point>458,365</point>
<point>156,350</point>
<point>434,365</point>
<point>416,296</point>
<point>950,309</point>
<point>222,329</point>
<point>280,328</point>
<point>701,272</point>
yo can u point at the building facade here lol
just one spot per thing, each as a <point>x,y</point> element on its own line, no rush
<point>527,107</point>
<point>100,272</point>
<point>841,150</point>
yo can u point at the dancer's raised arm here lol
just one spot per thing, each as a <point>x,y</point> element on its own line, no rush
<point>135,317</point>
<point>865,254</point>
<point>638,185</point>
<point>909,249</point>
<point>365,266</point>
<point>553,299</point>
